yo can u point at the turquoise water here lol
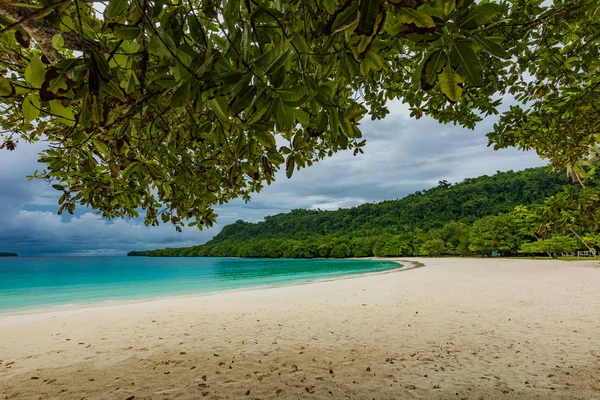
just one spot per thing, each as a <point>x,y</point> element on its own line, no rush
<point>34,282</point>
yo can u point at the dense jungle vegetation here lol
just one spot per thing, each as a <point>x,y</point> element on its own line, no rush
<point>475,217</point>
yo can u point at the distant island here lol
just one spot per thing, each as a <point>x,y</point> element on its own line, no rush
<point>475,217</point>
<point>7,254</point>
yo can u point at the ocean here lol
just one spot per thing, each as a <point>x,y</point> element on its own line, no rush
<point>38,282</point>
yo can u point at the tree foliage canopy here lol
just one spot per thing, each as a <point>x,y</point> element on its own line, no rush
<point>176,106</point>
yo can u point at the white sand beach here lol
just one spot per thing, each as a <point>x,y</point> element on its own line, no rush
<point>455,329</point>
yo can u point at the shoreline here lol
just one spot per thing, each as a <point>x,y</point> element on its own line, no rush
<point>405,266</point>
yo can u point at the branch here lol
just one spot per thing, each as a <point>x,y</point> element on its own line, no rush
<point>542,18</point>
<point>41,31</point>
<point>31,16</point>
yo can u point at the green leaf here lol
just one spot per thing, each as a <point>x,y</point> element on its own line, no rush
<point>127,32</point>
<point>231,13</point>
<point>449,84</point>
<point>58,41</point>
<point>242,101</point>
<point>410,16</point>
<point>181,96</point>
<point>6,89</point>
<point>35,73</point>
<point>101,64</point>
<point>85,115</point>
<point>300,43</point>
<point>31,107</point>
<point>480,15</point>
<point>64,114</point>
<point>369,10</point>
<point>209,163</point>
<point>407,3</point>
<point>302,117</point>
<point>285,116</point>
<point>195,29</point>
<point>343,18</point>
<point>293,94</point>
<point>329,5</point>
<point>130,169</point>
<point>490,46</point>
<point>432,66</point>
<point>250,170</point>
<point>446,6</point>
<point>347,126</point>
<point>101,147</point>
<point>115,8</point>
<point>278,62</point>
<point>470,67</point>
<point>113,89</point>
<point>265,138</point>
<point>219,107</point>
<point>290,164</point>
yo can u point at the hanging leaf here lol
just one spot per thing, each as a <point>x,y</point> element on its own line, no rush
<point>65,114</point>
<point>102,148</point>
<point>407,3</point>
<point>329,6</point>
<point>58,41</point>
<point>409,21</point>
<point>445,6</point>
<point>369,11</point>
<point>449,84</point>
<point>480,15</point>
<point>101,65</point>
<point>241,102</point>
<point>231,13</point>
<point>127,32</point>
<point>290,164</point>
<point>300,43</point>
<point>35,72</point>
<point>219,107</point>
<point>115,8</point>
<point>250,170</point>
<point>85,116</point>
<point>114,90</point>
<point>285,116</point>
<point>491,47</point>
<point>432,66</point>
<point>469,65</point>
<point>410,16</point>
<point>6,89</point>
<point>196,29</point>
<point>265,138</point>
<point>31,107</point>
<point>343,18</point>
<point>302,117</point>
<point>181,96</point>
<point>293,94</point>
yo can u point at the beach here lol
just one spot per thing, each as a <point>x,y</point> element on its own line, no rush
<point>453,329</point>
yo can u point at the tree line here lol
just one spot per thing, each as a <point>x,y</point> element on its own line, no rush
<point>479,216</point>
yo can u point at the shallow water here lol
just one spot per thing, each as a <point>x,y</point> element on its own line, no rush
<point>35,282</point>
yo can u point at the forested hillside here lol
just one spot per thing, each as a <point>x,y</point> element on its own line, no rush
<point>465,202</point>
<point>474,216</point>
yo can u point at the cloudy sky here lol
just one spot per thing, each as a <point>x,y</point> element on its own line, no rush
<point>401,156</point>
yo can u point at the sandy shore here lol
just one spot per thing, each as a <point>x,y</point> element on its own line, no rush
<point>458,328</point>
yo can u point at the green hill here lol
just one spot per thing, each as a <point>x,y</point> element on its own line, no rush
<point>366,230</point>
